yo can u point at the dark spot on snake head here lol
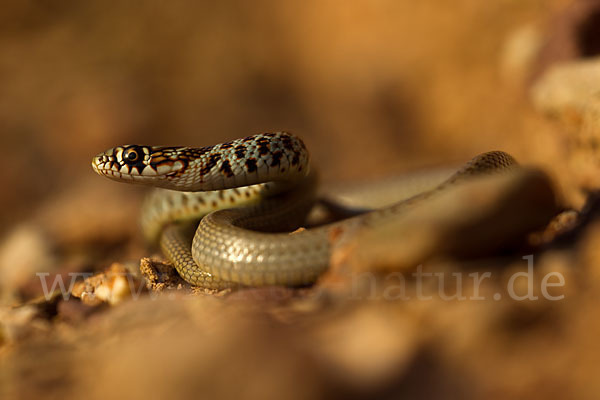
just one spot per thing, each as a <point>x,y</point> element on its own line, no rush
<point>263,148</point>
<point>262,139</point>
<point>196,153</point>
<point>210,164</point>
<point>276,158</point>
<point>302,144</point>
<point>296,159</point>
<point>251,165</point>
<point>286,141</point>
<point>226,169</point>
<point>240,151</point>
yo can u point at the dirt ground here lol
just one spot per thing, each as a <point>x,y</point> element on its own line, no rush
<point>375,89</point>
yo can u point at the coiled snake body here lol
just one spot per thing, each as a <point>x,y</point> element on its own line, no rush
<point>248,192</point>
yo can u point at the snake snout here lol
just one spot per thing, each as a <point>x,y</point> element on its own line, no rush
<point>98,162</point>
<point>106,164</point>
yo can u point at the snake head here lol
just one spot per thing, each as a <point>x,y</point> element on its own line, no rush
<point>255,159</point>
<point>150,165</point>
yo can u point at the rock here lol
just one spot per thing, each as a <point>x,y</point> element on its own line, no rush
<point>570,93</point>
<point>112,286</point>
<point>23,253</point>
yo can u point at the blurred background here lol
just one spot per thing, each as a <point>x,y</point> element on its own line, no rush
<point>375,88</point>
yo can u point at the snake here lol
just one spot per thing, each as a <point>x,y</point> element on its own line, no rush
<point>227,215</point>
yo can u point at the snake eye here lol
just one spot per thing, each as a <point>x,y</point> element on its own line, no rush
<point>131,155</point>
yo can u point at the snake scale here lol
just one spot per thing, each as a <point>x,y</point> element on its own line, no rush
<point>247,195</point>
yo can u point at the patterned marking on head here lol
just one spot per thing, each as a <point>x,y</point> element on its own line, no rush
<point>251,165</point>
<point>296,159</point>
<point>286,141</point>
<point>226,169</point>
<point>240,151</point>
<point>210,164</point>
<point>133,161</point>
<point>263,147</point>
<point>276,158</point>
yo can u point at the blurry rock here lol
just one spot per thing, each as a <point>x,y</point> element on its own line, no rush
<point>180,347</point>
<point>270,295</point>
<point>91,211</point>
<point>519,53</point>
<point>75,311</point>
<point>590,252</point>
<point>160,276</point>
<point>23,253</point>
<point>564,222</point>
<point>14,323</point>
<point>112,286</point>
<point>570,93</point>
<point>369,345</point>
<point>566,90</point>
<point>571,33</point>
<point>76,227</point>
<point>25,321</point>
